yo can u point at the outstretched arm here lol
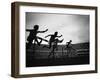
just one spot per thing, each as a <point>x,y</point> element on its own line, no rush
<point>43,31</point>
<point>28,29</point>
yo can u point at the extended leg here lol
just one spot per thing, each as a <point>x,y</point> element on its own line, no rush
<point>37,41</point>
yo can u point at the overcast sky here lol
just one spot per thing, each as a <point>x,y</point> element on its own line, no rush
<point>72,27</point>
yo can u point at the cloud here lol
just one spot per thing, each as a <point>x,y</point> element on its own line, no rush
<point>72,27</point>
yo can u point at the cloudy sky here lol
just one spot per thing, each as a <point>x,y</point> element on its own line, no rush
<point>72,27</point>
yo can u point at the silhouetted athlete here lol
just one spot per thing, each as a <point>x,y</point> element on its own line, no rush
<point>33,35</point>
<point>71,51</point>
<point>68,44</point>
<point>52,38</point>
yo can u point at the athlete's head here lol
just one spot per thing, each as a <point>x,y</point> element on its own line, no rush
<point>36,27</point>
<point>70,40</point>
<point>56,33</point>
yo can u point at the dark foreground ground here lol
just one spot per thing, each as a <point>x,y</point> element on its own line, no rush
<point>39,57</point>
<point>59,61</point>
